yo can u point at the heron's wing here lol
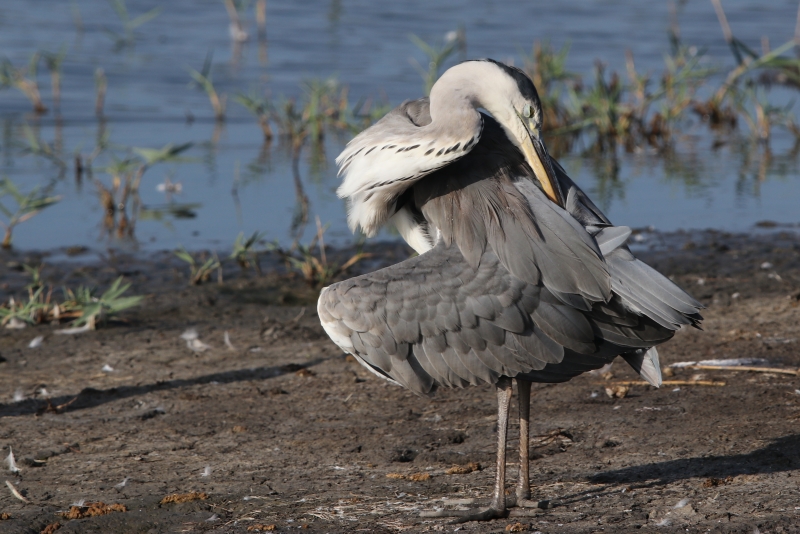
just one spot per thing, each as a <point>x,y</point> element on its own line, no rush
<point>388,157</point>
<point>578,204</point>
<point>642,289</point>
<point>487,201</point>
<point>433,319</point>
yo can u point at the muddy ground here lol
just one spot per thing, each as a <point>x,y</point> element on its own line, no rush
<point>283,432</point>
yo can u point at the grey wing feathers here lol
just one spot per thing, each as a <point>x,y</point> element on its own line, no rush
<point>434,320</point>
<point>641,288</point>
<point>534,239</point>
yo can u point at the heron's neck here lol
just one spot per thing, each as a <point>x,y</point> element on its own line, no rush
<point>460,92</point>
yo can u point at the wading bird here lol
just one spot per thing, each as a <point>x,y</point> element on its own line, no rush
<point>519,275</point>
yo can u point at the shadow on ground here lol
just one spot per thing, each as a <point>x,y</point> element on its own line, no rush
<point>91,397</point>
<point>780,455</point>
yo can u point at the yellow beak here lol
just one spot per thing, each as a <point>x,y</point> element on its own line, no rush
<point>537,157</point>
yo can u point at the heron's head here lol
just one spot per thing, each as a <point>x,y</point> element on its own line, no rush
<point>510,96</point>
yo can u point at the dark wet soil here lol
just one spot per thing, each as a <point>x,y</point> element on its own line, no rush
<point>281,431</point>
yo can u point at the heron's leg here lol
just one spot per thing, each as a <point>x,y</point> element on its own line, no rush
<point>498,508</point>
<point>504,391</point>
<point>523,497</point>
<point>523,482</point>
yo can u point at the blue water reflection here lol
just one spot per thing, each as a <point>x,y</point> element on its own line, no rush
<point>233,182</point>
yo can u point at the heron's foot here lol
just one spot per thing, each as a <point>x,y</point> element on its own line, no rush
<point>464,516</point>
<point>517,501</point>
<point>529,503</point>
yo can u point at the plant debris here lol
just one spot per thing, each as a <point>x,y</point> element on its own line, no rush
<point>415,477</point>
<point>261,528</point>
<point>82,305</point>
<point>184,497</point>
<point>715,482</point>
<point>618,392</point>
<point>463,469</point>
<point>754,365</point>
<point>713,383</point>
<point>52,527</point>
<point>93,509</point>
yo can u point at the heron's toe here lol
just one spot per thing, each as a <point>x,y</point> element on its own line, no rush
<point>464,516</point>
<point>530,503</point>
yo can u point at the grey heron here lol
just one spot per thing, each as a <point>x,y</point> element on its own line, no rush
<point>519,275</point>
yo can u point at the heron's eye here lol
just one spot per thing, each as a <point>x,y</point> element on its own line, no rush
<point>527,111</point>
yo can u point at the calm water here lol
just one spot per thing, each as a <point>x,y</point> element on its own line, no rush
<point>366,46</point>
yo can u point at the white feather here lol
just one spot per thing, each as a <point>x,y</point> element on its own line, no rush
<point>413,233</point>
<point>11,462</point>
<point>376,171</point>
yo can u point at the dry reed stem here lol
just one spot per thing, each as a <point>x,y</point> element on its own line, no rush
<point>777,370</point>
<point>102,85</point>
<point>673,383</point>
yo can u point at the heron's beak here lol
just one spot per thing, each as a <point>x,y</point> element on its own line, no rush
<point>539,160</point>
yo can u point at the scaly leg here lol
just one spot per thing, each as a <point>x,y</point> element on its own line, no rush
<point>523,482</point>
<point>523,499</point>
<point>498,509</point>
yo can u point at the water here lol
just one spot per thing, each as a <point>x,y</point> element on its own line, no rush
<point>366,46</point>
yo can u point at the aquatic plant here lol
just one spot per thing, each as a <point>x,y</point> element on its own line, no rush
<point>93,308</point>
<point>202,79</point>
<point>53,61</point>
<point>200,272</point>
<point>437,55</point>
<point>129,25</point>
<point>547,69</point>
<point>316,270</point>
<point>644,110</point>
<point>259,106</point>
<point>16,314</point>
<point>37,147</point>
<point>126,178</point>
<point>82,304</point>
<point>27,206</point>
<point>24,80</point>
<point>325,106</point>
<point>244,251</point>
<point>101,86</point>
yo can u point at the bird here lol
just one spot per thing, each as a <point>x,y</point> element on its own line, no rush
<point>518,275</point>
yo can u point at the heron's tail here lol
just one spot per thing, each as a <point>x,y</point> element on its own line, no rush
<point>645,362</point>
